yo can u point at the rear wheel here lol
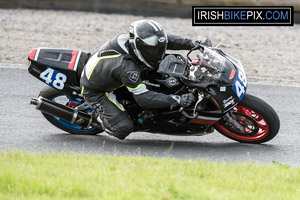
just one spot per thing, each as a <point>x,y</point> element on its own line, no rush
<point>259,120</point>
<point>59,97</point>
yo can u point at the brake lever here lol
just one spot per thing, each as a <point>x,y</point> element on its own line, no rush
<point>200,98</point>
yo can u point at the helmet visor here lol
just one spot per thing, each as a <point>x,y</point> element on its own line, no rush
<point>151,53</point>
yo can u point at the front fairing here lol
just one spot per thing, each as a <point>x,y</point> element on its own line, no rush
<point>240,82</point>
<point>224,75</point>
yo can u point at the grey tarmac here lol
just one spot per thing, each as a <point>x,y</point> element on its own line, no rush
<point>24,128</point>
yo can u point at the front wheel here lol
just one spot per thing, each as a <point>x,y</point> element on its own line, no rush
<point>59,97</point>
<point>259,120</point>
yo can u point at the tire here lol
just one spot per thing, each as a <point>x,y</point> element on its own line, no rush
<point>260,121</point>
<point>53,95</point>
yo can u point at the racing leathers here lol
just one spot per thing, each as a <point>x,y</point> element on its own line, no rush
<point>114,66</point>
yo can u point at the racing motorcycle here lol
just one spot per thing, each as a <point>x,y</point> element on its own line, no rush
<point>216,79</point>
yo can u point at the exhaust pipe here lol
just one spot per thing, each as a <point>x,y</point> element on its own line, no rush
<point>63,112</point>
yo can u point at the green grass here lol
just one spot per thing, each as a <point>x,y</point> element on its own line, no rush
<point>69,176</point>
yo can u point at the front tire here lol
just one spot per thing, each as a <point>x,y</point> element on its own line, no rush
<point>260,121</point>
<point>58,96</point>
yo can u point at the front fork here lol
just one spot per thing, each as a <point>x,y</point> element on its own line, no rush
<point>229,119</point>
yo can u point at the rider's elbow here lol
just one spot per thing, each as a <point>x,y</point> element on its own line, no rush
<point>143,101</point>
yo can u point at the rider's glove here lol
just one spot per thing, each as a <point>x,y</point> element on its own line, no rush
<point>184,100</point>
<point>203,41</point>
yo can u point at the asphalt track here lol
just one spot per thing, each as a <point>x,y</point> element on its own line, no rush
<point>23,128</point>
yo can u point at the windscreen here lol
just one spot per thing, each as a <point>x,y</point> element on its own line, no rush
<point>212,67</point>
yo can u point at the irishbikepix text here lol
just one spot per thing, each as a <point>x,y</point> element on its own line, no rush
<point>250,15</point>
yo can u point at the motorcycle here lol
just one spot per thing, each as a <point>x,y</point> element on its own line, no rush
<point>217,80</point>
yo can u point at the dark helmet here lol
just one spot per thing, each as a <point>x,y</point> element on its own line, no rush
<point>148,41</point>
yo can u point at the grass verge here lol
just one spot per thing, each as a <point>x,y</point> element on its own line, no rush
<point>73,176</point>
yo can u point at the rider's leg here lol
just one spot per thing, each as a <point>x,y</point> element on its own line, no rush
<point>112,115</point>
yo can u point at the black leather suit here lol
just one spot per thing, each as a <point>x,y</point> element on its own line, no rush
<point>114,66</point>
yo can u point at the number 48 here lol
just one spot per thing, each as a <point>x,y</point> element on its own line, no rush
<point>240,85</point>
<point>58,81</point>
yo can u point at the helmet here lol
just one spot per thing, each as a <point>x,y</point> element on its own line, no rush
<point>148,42</point>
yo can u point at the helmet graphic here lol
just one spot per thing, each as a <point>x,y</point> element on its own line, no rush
<point>148,40</point>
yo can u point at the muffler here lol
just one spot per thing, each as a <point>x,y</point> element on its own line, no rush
<point>74,116</point>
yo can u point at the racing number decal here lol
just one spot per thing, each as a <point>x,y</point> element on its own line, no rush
<point>54,78</point>
<point>240,85</point>
<point>239,89</point>
<point>242,78</point>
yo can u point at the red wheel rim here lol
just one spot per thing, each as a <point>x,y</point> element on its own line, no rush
<point>260,120</point>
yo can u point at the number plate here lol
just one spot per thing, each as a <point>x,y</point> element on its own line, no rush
<point>240,85</point>
<point>54,78</point>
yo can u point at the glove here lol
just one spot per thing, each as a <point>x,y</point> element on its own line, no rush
<point>204,42</point>
<point>184,100</point>
<point>187,99</point>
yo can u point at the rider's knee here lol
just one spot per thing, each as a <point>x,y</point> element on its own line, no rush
<point>123,128</point>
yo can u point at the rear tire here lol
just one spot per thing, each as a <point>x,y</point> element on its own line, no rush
<point>261,122</point>
<point>51,93</point>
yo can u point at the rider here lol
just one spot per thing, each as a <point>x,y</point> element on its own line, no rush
<point>119,62</point>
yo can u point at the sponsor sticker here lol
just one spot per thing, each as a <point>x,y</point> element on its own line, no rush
<point>222,89</point>
<point>228,102</point>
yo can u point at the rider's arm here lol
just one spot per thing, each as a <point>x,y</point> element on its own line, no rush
<point>130,77</point>
<point>179,43</point>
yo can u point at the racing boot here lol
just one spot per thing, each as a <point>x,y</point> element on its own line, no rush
<point>107,128</point>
